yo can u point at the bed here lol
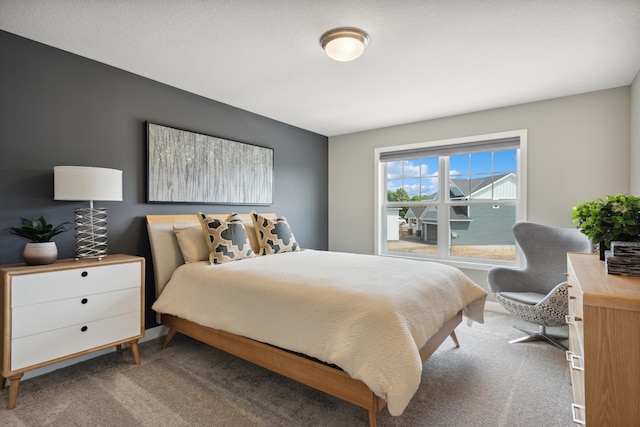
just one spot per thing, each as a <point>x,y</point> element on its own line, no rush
<point>352,335</point>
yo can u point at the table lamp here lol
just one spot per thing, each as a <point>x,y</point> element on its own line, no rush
<point>88,184</point>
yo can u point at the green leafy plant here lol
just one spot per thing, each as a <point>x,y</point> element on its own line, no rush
<point>37,230</point>
<point>613,218</point>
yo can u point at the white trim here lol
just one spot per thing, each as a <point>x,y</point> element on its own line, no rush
<point>481,265</point>
<point>521,182</point>
<point>378,231</point>
<point>379,198</point>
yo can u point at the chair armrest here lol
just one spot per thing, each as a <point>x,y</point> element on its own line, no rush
<point>553,293</point>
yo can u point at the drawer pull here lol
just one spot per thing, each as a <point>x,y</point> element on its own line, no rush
<point>84,301</point>
<point>84,329</point>
<point>571,320</point>
<point>576,362</point>
<point>572,297</point>
<point>84,273</point>
<point>576,411</point>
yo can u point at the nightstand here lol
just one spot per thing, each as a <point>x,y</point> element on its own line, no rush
<point>50,313</point>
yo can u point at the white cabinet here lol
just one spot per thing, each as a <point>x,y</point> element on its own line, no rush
<point>55,312</point>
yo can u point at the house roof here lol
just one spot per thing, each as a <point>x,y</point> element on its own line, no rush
<point>467,187</point>
<point>425,59</point>
<point>460,188</point>
<point>415,212</point>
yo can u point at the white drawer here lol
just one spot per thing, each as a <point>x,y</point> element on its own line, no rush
<point>37,318</point>
<point>37,288</point>
<point>34,349</point>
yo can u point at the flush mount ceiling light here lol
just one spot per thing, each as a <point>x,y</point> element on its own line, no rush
<point>345,43</point>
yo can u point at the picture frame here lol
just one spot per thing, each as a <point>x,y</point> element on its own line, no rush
<point>191,167</point>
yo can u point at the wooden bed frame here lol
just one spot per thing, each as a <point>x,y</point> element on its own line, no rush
<point>306,370</point>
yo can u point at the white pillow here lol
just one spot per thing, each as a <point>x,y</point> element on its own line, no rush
<point>192,242</point>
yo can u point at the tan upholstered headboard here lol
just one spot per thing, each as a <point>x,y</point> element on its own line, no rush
<point>164,245</point>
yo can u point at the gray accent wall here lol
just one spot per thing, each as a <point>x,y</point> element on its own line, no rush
<point>58,108</point>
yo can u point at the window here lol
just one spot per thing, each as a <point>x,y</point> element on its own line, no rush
<point>453,200</point>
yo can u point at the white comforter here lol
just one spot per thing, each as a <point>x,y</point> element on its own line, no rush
<point>368,315</point>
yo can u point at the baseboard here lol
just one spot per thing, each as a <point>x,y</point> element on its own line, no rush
<point>153,333</point>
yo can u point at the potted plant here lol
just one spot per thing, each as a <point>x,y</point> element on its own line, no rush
<point>613,218</point>
<point>40,250</point>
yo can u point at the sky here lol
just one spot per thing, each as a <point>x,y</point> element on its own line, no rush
<point>421,175</point>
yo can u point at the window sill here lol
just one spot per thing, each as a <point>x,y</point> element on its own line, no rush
<point>484,265</point>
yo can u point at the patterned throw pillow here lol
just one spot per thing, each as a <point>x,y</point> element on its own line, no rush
<point>227,240</point>
<point>251,232</point>
<point>274,235</point>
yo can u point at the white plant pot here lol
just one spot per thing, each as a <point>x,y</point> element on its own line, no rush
<point>40,253</point>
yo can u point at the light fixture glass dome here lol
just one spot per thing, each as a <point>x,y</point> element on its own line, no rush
<point>345,43</point>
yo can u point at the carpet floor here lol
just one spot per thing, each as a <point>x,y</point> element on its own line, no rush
<point>485,382</point>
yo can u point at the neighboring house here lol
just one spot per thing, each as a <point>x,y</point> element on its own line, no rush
<point>471,225</point>
<point>393,223</point>
<point>496,187</point>
<point>414,217</point>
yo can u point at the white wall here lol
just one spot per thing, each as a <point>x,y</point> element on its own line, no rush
<point>578,149</point>
<point>635,136</point>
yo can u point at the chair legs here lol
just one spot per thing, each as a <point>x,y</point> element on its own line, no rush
<point>541,335</point>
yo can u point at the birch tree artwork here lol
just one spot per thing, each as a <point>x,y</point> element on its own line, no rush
<point>190,167</point>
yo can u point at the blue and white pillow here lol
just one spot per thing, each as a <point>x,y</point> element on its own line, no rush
<point>227,240</point>
<point>274,235</point>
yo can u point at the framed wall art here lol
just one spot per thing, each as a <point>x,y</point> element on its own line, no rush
<point>189,167</point>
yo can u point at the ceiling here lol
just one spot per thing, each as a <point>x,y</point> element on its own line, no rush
<point>426,58</point>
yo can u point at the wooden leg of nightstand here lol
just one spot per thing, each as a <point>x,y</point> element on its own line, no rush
<point>14,385</point>
<point>135,351</point>
<point>119,348</point>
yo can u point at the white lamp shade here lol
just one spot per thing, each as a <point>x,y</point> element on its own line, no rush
<point>87,183</point>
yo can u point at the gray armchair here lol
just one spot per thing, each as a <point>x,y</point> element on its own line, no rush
<point>538,292</point>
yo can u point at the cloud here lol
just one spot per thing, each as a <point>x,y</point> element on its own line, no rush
<point>407,168</point>
<point>407,175</point>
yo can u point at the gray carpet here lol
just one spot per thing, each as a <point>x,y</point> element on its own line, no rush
<point>485,382</point>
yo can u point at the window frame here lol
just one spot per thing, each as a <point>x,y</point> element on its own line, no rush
<point>380,195</point>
